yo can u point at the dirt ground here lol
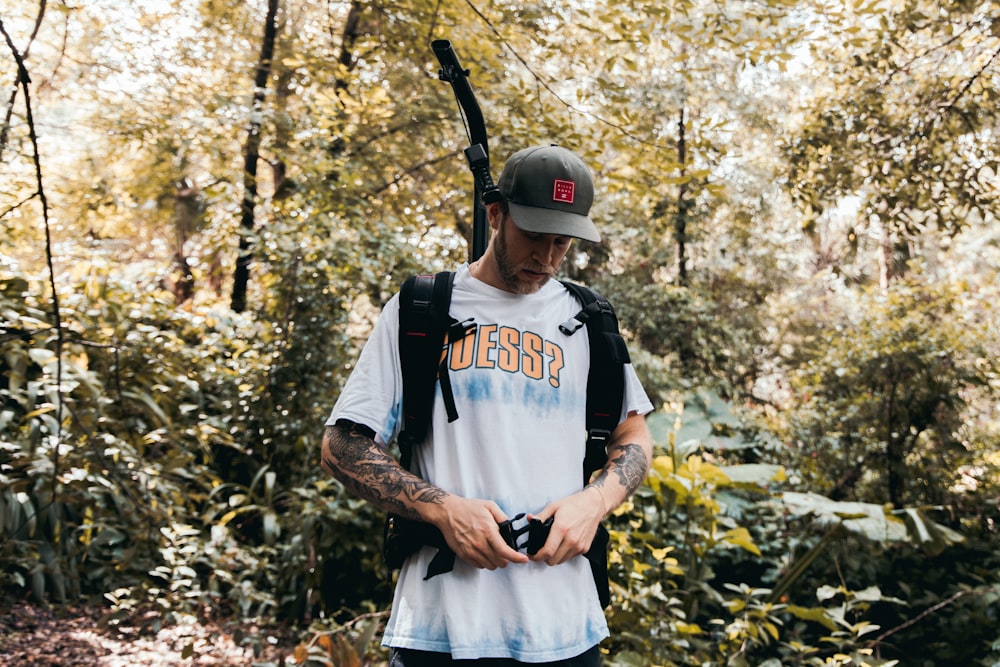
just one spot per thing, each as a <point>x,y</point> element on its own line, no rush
<point>77,636</point>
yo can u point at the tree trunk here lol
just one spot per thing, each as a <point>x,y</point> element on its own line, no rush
<point>352,30</point>
<point>247,224</point>
<point>683,205</point>
<point>895,455</point>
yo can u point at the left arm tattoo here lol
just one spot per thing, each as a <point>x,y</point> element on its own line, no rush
<point>628,462</point>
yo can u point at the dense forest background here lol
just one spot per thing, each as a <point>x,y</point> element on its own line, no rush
<point>204,203</point>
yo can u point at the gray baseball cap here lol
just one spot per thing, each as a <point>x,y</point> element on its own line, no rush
<point>550,191</point>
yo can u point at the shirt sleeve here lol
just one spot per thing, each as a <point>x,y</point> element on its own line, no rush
<point>373,392</point>
<point>636,399</point>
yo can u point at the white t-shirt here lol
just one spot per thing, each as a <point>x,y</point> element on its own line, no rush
<point>520,390</point>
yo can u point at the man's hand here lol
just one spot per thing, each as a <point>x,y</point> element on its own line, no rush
<point>576,517</point>
<point>470,528</point>
<point>575,522</point>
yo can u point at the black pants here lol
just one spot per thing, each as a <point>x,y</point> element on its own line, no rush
<point>404,657</point>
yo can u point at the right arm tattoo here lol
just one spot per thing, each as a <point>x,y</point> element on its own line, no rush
<point>352,456</point>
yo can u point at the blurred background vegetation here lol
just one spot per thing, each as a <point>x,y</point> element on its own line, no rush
<point>205,203</point>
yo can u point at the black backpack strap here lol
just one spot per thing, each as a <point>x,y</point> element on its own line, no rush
<point>605,396</point>
<point>425,330</point>
<point>606,379</point>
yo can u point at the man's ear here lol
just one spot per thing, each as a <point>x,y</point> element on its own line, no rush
<point>494,215</point>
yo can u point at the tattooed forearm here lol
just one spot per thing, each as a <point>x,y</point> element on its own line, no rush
<point>366,470</point>
<point>628,462</point>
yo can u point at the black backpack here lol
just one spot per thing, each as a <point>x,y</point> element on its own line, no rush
<point>426,329</point>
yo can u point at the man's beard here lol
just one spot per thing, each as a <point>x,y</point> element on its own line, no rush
<point>508,272</point>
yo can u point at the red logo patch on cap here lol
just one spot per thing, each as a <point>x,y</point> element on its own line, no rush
<point>563,191</point>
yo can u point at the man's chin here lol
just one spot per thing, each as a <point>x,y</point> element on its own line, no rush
<point>531,286</point>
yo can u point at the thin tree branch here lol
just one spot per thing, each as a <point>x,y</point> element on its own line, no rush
<point>972,80</point>
<point>24,56</point>
<point>24,81</point>
<point>14,207</point>
<point>548,88</point>
<point>930,610</point>
<point>13,93</point>
<point>415,168</point>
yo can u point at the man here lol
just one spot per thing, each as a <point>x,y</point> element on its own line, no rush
<point>519,385</point>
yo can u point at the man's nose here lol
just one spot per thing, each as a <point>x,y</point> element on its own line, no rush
<point>545,251</point>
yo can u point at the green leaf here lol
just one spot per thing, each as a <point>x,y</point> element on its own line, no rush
<point>754,474</point>
<point>816,614</point>
<point>741,537</point>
